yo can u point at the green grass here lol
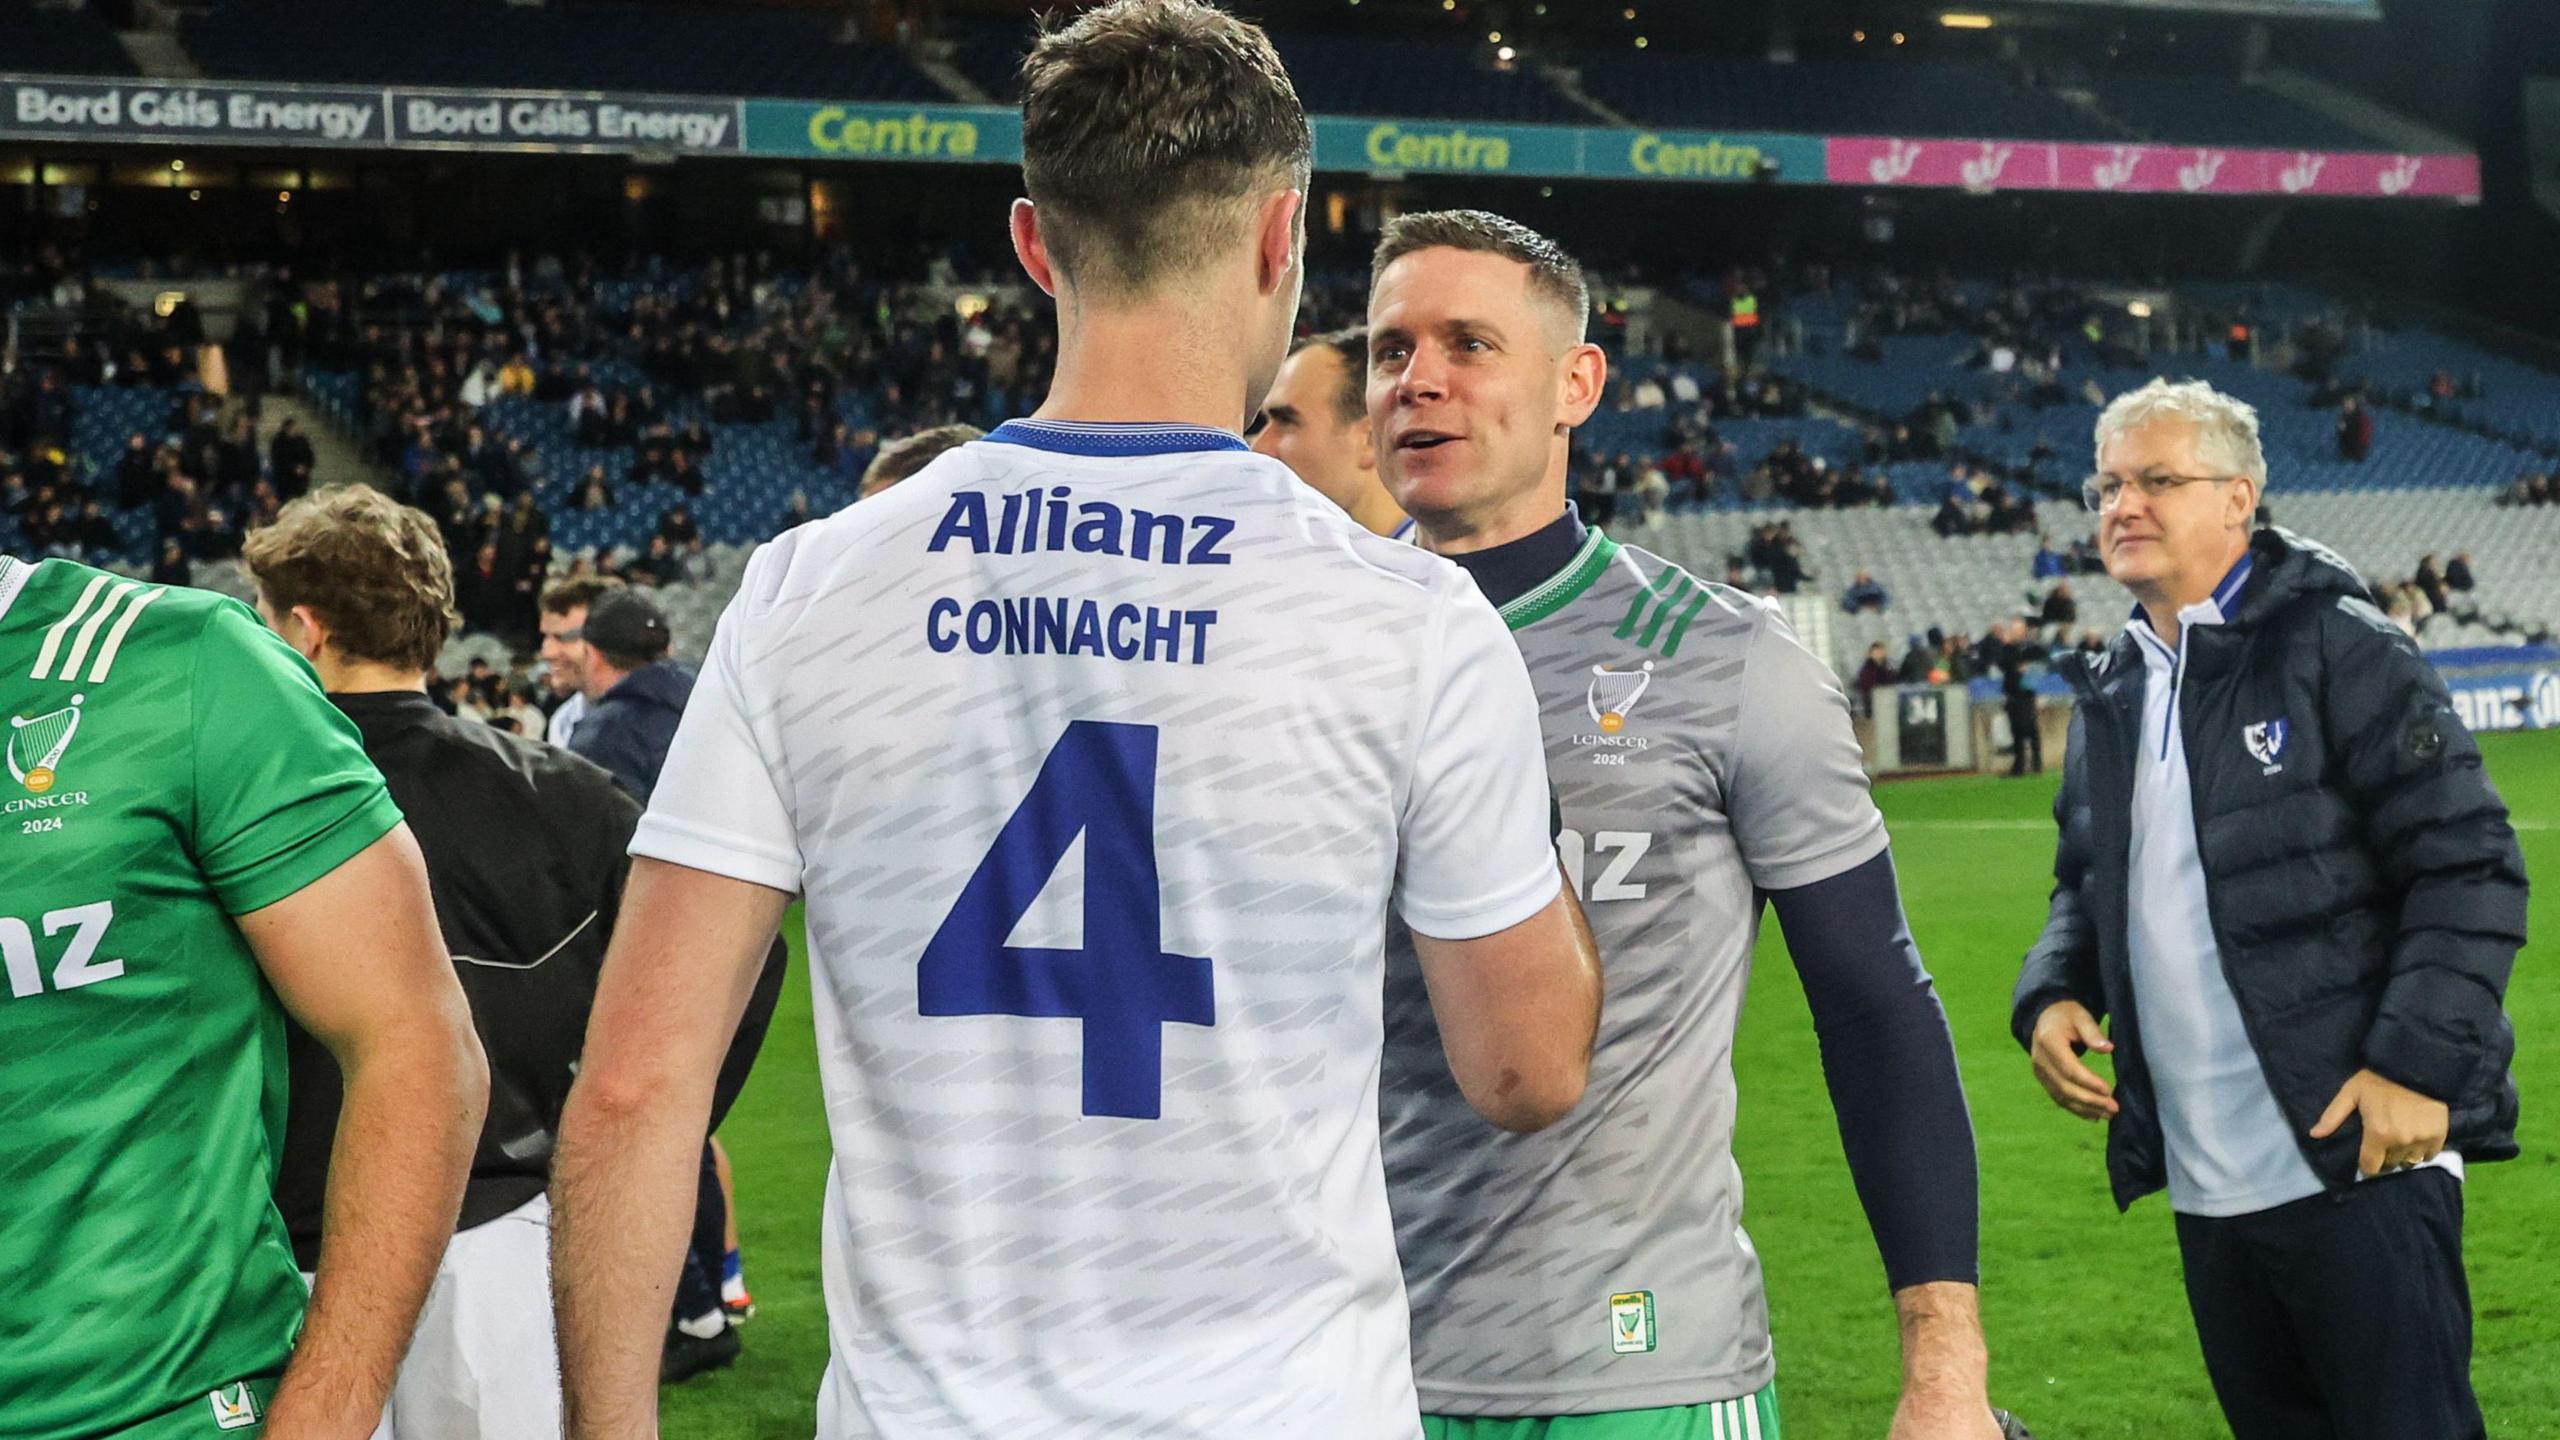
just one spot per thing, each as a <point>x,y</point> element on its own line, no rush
<point>2088,1325</point>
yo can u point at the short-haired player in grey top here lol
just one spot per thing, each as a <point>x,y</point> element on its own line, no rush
<point>1702,758</point>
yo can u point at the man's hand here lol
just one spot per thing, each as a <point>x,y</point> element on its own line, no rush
<point>2401,1127</point>
<point>2063,1031</point>
<point>1944,1365</point>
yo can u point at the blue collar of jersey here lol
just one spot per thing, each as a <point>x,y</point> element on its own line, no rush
<point>1508,571</point>
<point>1112,438</point>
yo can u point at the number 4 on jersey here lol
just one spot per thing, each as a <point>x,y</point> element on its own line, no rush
<point>1099,781</point>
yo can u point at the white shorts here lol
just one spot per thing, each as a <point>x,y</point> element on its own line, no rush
<point>485,1364</point>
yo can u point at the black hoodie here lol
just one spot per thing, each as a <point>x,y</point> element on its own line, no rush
<point>2367,892</point>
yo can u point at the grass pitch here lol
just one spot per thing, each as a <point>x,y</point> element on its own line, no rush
<point>2088,1324</point>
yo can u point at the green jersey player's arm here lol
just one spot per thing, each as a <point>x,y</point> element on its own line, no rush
<point>293,827</point>
<point>357,958</point>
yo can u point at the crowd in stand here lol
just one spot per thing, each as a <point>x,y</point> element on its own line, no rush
<point>1977,503</point>
<point>2532,488</point>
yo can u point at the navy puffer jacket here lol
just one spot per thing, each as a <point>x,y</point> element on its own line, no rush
<point>2367,892</point>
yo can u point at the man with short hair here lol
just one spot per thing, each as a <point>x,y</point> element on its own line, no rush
<point>1107,1166</point>
<point>902,458</point>
<point>635,695</point>
<point>1316,422</point>
<point>2283,872</point>
<point>1593,1281</point>
<point>524,850</point>
<point>199,848</point>
<point>565,651</point>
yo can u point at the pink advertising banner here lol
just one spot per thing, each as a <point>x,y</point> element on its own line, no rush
<point>2147,169</point>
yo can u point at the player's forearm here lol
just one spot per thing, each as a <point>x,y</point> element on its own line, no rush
<point>1944,1360</point>
<point>622,1197</point>
<point>412,1111</point>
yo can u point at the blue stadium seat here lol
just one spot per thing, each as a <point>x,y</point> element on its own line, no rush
<point>47,41</point>
<point>2198,110</point>
<point>568,44</point>
<point>1840,97</point>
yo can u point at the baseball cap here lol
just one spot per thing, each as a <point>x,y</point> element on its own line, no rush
<point>625,622</point>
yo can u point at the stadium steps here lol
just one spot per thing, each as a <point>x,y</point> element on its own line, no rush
<point>936,66</point>
<point>159,55</point>
<point>1567,82</point>
<point>336,460</point>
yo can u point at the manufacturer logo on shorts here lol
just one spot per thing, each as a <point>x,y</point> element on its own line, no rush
<point>234,1408</point>
<point>36,743</point>
<point>1631,1322</point>
<point>2266,742</point>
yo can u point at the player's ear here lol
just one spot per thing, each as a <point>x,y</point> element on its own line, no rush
<point>307,633</point>
<point>1031,250</point>
<point>1276,238</point>
<point>1585,380</point>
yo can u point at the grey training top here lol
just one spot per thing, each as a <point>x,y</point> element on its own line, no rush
<point>1699,754</point>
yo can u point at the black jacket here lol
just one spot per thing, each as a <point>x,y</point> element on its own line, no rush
<point>628,730</point>
<point>525,847</point>
<point>2367,893</point>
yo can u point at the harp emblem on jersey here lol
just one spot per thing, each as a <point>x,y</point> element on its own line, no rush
<point>36,744</point>
<point>1613,695</point>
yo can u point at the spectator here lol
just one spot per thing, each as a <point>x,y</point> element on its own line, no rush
<point>1877,671</point>
<point>1864,593</point>
<point>2457,575</point>
<point>2355,430</point>
<point>1599,494</point>
<point>676,527</point>
<point>1957,662</point>
<point>1653,494</point>
<point>1918,662</point>
<point>654,566</point>
<point>480,592</point>
<point>291,460</point>
<point>2430,582</point>
<point>1787,572</point>
<point>172,567</point>
<point>2060,612</point>
<point>593,492</point>
<point>681,473</point>
<point>634,694</point>
<point>2049,563</point>
<point>1952,519</point>
<point>2017,655</point>
<point>136,474</point>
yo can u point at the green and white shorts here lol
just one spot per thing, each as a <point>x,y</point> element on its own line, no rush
<point>1748,1417</point>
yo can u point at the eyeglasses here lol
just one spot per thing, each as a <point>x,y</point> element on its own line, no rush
<point>2102,493</point>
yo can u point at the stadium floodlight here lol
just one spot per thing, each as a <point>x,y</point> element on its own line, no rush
<point>1506,54</point>
<point>1964,20</point>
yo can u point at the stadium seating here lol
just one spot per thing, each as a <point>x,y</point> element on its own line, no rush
<point>1339,76</point>
<point>1842,97</point>
<point>1964,584</point>
<point>568,44</point>
<point>43,40</point>
<point>2207,110</point>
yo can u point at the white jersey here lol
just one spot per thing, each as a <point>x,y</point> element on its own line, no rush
<point>1100,754</point>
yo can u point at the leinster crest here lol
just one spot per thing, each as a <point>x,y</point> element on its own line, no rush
<point>36,743</point>
<point>1613,695</point>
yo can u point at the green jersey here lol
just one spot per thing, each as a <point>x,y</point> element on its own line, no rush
<point>170,764</point>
